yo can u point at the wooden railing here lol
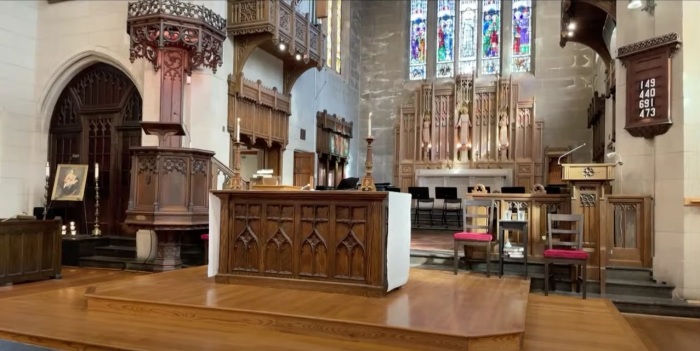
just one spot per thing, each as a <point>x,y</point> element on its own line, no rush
<point>630,230</point>
<point>219,169</point>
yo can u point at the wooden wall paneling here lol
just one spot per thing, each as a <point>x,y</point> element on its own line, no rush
<point>304,163</point>
<point>29,250</point>
<point>96,119</point>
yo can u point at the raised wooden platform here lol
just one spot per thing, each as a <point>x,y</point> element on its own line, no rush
<point>435,310</point>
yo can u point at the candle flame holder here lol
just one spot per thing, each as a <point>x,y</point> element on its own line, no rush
<point>367,182</point>
<point>96,231</point>
<point>235,182</point>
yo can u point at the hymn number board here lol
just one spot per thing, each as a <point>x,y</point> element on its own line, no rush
<point>647,98</point>
<point>648,92</point>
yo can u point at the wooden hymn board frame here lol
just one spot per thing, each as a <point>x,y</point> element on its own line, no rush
<point>648,92</point>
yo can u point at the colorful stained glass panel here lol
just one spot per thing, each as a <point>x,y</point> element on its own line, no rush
<point>522,35</point>
<point>491,36</point>
<point>468,31</point>
<point>329,35</point>
<point>445,61</point>
<point>418,42</point>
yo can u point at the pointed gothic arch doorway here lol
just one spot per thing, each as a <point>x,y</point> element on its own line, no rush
<point>96,120</point>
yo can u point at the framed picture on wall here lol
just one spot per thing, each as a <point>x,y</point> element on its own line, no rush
<point>69,184</point>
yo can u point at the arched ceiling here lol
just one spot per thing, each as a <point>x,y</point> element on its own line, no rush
<point>589,18</point>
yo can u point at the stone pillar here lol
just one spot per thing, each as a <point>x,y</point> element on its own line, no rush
<point>666,166</point>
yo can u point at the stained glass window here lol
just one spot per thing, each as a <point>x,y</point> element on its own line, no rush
<point>491,37</point>
<point>338,24</point>
<point>445,61</point>
<point>522,35</point>
<point>418,45</point>
<point>329,35</point>
<point>468,19</point>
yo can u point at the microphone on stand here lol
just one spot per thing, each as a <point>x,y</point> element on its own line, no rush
<point>570,152</point>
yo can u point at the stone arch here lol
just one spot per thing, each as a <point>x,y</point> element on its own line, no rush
<point>67,71</point>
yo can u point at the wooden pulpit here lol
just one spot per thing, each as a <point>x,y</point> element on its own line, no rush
<point>169,192</point>
<point>588,198</point>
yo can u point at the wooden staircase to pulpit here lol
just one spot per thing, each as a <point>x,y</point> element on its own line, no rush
<point>589,183</point>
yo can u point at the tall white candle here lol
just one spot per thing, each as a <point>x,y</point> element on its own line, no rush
<point>369,125</point>
<point>97,171</point>
<point>238,129</point>
<point>48,169</point>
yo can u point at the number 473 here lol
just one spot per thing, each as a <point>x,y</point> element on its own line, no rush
<point>647,112</point>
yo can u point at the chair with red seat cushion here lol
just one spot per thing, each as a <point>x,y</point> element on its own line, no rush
<point>477,225</point>
<point>565,252</point>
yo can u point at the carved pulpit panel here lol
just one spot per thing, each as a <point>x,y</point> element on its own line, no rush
<point>648,84</point>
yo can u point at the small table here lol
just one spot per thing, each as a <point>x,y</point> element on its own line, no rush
<point>75,247</point>
<point>515,225</point>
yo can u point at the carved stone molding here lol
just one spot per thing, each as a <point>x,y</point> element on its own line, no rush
<point>156,24</point>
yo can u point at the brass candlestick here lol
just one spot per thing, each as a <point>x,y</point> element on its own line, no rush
<point>367,183</point>
<point>46,197</point>
<point>96,231</point>
<point>235,182</point>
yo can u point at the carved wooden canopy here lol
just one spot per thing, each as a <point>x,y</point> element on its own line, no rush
<point>588,19</point>
<point>276,27</point>
<point>156,24</point>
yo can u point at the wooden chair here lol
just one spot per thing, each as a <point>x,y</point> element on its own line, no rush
<point>567,252</point>
<point>477,231</point>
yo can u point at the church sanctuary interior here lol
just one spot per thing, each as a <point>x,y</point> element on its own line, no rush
<point>429,175</point>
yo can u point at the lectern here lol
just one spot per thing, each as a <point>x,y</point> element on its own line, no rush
<point>169,192</point>
<point>588,181</point>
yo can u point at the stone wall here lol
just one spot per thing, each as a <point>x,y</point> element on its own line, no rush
<point>561,84</point>
<point>18,36</point>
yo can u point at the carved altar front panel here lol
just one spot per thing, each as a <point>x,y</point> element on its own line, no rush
<point>324,237</point>
<point>468,124</point>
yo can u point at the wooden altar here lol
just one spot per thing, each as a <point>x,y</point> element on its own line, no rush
<point>468,124</point>
<point>333,136</point>
<point>346,242</point>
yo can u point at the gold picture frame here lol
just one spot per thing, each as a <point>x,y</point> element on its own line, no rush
<point>69,183</point>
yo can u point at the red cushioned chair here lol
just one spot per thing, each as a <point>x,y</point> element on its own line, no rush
<point>476,231</point>
<point>565,252</point>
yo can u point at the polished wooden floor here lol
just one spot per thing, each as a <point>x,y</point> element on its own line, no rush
<point>54,314</point>
<point>434,310</point>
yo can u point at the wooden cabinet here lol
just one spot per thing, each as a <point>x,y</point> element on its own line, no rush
<point>29,250</point>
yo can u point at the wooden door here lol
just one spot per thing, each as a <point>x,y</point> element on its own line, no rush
<point>629,226</point>
<point>304,168</point>
<point>96,120</point>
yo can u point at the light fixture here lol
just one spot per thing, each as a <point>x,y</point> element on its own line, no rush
<point>298,57</point>
<point>613,154</point>
<point>634,4</point>
<point>639,4</point>
<point>282,46</point>
<point>572,26</point>
<point>570,34</point>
